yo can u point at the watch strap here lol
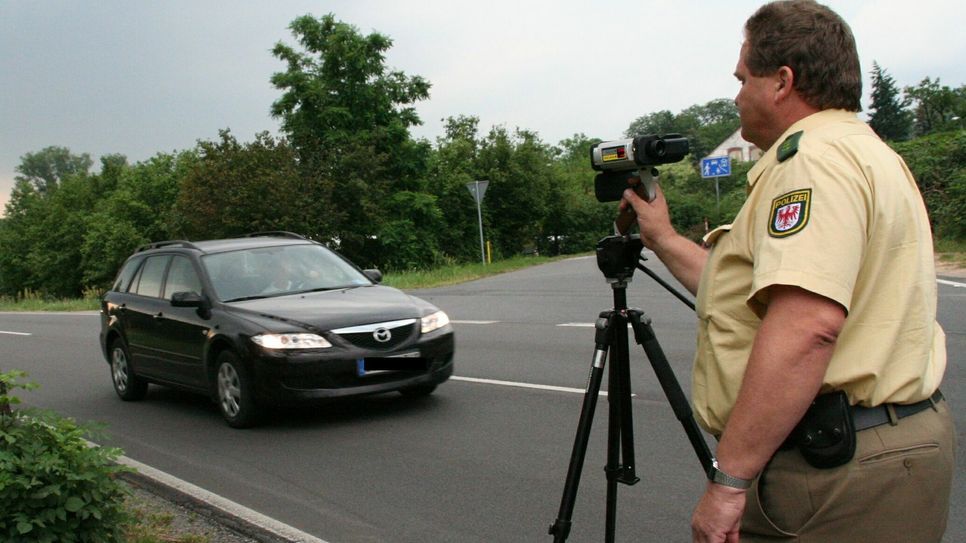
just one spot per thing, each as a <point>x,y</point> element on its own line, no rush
<point>715,475</point>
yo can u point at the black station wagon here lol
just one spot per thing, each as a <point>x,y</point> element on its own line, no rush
<point>268,318</point>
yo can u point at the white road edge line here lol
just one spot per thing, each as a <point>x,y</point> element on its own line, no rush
<point>951,283</point>
<point>474,322</point>
<point>525,385</point>
<point>15,333</point>
<point>54,313</point>
<point>225,505</point>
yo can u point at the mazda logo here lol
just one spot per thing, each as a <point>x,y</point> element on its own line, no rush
<point>382,335</point>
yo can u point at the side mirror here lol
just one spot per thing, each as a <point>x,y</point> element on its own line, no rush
<point>187,299</point>
<point>374,275</point>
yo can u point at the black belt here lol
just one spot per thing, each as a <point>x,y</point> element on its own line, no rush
<point>870,417</point>
<point>864,418</point>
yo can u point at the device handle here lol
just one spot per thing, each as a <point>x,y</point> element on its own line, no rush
<point>646,188</point>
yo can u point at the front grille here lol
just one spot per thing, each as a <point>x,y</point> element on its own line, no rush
<point>382,336</point>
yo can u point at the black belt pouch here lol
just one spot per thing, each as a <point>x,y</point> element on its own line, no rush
<point>826,434</point>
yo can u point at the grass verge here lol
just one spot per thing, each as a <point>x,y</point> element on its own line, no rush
<point>150,526</point>
<point>451,275</point>
<point>951,252</point>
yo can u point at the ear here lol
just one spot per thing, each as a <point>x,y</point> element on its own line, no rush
<point>784,83</point>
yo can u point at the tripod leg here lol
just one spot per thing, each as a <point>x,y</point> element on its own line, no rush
<point>561,528</point>
<point>622,391</point>
<point>613,468</point>
<point>620,443</point>
<point>645,336</point>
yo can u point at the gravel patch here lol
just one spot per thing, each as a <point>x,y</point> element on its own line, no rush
<point>183,520</point>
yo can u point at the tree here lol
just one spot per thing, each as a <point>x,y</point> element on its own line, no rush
<point>715,121</point>
<point>889,117</point>
<point>938,108</point>
<point>518,168</point>
<point>42,231</point>
<point>938,162</point>
<point>137,211</point>
<point>661,122</point>
<point>22,211</point>
<point>234,189</point>
<point>575,220</point>
<point>348,118</point>
<point>408,239</point>
<point>705,125</point>
<point>46,168</point>
<point>453,164</point>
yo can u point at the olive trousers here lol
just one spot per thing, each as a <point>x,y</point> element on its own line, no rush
<point>896,488</point>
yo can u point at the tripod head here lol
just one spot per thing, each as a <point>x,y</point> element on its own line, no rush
<point>618,256</point>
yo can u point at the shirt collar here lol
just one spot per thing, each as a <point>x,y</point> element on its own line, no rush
<point>811,122</point>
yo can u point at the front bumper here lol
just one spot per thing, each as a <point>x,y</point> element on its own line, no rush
<point>282,377</point>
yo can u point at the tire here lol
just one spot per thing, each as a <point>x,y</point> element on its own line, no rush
<point>236,396</point>
<point>418,391</point>
<point>128,386</point>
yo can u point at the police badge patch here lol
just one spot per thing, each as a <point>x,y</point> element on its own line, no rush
<point>789,213</point>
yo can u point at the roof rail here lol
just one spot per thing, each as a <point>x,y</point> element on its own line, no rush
<point>275,233</point>
<point>173,242</point>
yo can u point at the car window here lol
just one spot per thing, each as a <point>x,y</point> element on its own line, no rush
<point>182,277</point>
<point>133,285</point>
<point>149,281</point>
<point>124,276</point>
<point>279,270</point>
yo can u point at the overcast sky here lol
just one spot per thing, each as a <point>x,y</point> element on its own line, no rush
<point>139,78</point>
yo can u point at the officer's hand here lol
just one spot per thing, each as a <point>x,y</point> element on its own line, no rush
<point>653,217</point>
<point>718,515</point>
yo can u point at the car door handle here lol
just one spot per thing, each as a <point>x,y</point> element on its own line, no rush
<point>158,316</point>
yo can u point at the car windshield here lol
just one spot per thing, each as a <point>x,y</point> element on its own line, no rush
<point>276,271</point>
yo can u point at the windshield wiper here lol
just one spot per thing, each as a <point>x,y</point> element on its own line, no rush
<point>246,298</point>
<point>323,289</point>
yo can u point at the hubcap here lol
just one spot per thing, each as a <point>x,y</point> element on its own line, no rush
<point>119,369</point>
<point>229,390</point>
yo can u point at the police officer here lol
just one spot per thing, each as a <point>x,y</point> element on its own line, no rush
<point>819,356</point>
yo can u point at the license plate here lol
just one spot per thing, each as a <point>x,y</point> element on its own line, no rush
<point>385,363</point>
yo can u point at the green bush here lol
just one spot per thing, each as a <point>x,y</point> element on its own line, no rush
<point>939,163</point>
<point>53,486</point>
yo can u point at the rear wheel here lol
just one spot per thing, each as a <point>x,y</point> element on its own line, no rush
<point>236,398</point>
<point>128,386</point>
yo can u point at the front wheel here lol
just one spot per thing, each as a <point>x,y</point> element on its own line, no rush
<point>128,386</point>
<point>236,398</point>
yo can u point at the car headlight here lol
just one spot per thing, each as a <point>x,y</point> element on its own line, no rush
<point>435,321</point>
<point>291,341</point>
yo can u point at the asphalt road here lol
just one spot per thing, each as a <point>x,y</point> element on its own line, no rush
<point>483,459</point>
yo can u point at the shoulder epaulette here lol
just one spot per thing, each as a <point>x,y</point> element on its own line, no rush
<point>789,147</point>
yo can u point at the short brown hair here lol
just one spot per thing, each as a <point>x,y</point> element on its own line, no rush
<point>815,43</point>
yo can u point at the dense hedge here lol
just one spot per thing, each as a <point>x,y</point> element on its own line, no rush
<point>55,488</point>
<point>939,163</point>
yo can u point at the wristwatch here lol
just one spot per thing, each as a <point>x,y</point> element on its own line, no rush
<point>715,475</point>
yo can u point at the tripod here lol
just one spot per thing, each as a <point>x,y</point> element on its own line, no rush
<point>617,257</point>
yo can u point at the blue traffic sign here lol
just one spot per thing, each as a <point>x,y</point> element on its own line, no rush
<point>716,166</point>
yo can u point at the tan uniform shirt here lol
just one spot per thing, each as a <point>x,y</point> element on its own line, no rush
<point>841,217</point>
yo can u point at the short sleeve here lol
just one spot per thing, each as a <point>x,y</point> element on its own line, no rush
<point>810,229</point>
